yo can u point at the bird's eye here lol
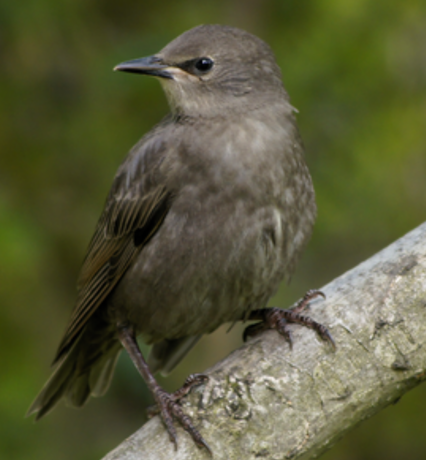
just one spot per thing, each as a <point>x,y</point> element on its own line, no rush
<point>203,64</point>
<point>198,66</point>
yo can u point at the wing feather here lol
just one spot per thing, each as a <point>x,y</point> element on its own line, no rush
<point>135,209</point>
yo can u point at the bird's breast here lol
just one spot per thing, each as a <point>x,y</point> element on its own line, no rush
<point>232,233</point>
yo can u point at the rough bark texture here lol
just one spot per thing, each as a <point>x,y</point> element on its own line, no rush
<point>265,401</point>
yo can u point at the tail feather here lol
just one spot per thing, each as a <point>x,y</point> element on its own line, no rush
<point>77,376</point>
<point>101,374</point>
<point>79,392</point>
<point>49,396</point>
<point>166,355</point>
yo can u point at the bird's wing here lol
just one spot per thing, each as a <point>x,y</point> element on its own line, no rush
<point>136,207</point>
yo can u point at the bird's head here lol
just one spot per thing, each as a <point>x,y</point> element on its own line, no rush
<point>213,69</point>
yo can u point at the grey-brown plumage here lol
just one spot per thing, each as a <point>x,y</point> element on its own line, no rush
<point>205,217</point>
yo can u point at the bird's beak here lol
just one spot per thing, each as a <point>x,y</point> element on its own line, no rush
<point>151,65</point>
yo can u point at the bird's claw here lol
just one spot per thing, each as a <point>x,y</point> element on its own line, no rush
<point>168,407</point>
<point>278,319</point>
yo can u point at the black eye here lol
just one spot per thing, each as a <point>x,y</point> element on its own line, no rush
<point>203,64</point>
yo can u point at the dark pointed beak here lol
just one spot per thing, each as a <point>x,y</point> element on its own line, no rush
<point>151,65</point>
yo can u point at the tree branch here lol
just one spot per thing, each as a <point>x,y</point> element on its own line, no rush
<point>265,401</point>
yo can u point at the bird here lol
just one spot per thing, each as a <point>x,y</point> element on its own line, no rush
<point>206,216</point>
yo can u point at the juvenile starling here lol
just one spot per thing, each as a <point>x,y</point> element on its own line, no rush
<point>206,216</point>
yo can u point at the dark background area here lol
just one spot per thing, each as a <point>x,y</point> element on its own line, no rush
<point>356,70</point>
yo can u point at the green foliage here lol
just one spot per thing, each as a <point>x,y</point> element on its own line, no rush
<point>356,70</point>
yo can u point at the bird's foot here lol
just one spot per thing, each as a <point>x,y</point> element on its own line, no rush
<point>168,407</point>
<point>278,319</point>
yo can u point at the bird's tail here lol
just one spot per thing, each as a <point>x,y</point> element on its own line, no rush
<point>165,355</point>
<point>83,372</point>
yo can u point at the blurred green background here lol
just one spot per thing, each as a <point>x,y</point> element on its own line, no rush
<point>355,69</point>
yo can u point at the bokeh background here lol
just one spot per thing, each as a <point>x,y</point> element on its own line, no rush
<point>355,69</point>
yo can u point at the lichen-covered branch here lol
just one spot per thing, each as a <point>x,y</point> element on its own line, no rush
<point>265,401</point>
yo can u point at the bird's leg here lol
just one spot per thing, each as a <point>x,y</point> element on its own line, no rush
<point>276,318</point>
<point>168,406</point>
